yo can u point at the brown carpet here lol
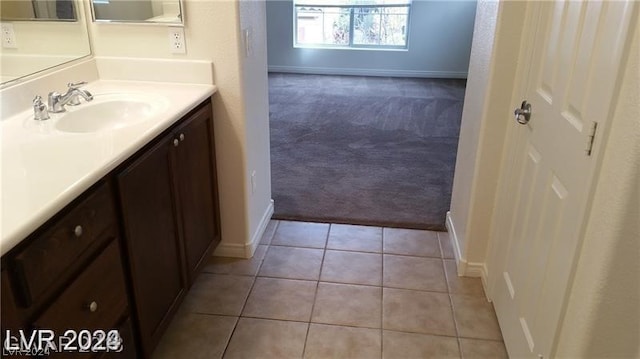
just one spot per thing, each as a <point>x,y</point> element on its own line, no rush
<point>364,150</point>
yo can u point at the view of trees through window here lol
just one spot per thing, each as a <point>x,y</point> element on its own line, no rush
<point>352,23</point>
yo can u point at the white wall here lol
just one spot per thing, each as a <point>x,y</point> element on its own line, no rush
<point>485,118</point>
<point>475,99</point>
<point>256,89</point>
<point>603,312</point>
<point>439,44</point>
<point>212,32</point>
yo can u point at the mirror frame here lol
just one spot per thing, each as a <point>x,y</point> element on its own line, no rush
<point>141,22</point>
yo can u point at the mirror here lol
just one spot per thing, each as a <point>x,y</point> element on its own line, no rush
<point>168,12</point>
<point>45,33</point>
<point>37,10</point>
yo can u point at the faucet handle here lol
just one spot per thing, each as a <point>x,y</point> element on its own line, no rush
<point>40,111</point>
<point>76,85</point>
<point>37,101</point>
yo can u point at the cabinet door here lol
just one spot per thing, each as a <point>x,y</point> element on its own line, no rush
<point>148,211</point>
<point>194,164</point>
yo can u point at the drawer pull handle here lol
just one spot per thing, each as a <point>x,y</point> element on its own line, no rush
<point>176,142</point>
<point>93,306</point>
<point>77,231</point>
<point>181,137</point>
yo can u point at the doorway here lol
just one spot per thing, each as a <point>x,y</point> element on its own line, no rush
<point>349,147</point>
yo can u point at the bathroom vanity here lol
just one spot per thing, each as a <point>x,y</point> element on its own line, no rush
<point>106,228</point>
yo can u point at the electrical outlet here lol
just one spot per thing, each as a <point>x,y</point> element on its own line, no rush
<point>253,182</point>
<point>177,44</point>
<point>8,37</point>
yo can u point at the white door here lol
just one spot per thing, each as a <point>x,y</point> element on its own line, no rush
<point>574,54</point>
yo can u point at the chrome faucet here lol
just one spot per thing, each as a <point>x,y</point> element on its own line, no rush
<point>57,101</point>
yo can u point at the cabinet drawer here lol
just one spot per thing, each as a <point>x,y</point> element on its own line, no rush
<point>95,300</point>
<point>65,243</point>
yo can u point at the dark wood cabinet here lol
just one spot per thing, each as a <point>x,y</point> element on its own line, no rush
<point>196,188</point>
<point>124,253</point>
<point>95,300</point>
<point>148,212</point>
<point>59,250</point>
<point>170,215</point>
<point>68,275</point>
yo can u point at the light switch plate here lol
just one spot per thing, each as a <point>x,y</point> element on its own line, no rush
<point>247,41</point>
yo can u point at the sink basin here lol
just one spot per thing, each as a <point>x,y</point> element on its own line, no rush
<point>109,112</point>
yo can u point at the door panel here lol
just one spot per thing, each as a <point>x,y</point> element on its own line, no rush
<point>571,82</point>
<point>152,240</point>
<point>197,188</point>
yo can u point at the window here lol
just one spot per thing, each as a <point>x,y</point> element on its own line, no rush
<point>351,23</point>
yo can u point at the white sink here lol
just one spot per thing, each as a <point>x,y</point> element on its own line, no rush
<point>109,112</point>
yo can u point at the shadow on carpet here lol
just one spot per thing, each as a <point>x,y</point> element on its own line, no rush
<point>364,150</point>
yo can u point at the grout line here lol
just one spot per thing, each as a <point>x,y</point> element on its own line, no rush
<point>446,276</point>
<point>315,295</point>
<point>226,347</point>
<point>440,246</point>
<point>429,334</point>
<point>455,324</point>
<point>356,251</point>
<point>275,230</point>
<point>255,278</point>
<point>295,246</point>
<point>485,339</point>
<point>227,274</point>
<point>440,240</point>
<point>240,315</point>
<point>347,326</point>
<point>282,278</point>
<point>364,285</point>
<point>276,319</point>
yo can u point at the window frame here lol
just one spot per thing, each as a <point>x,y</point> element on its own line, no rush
<point>352,45</point>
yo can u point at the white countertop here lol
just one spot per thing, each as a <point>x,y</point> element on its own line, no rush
<point>43,169</point>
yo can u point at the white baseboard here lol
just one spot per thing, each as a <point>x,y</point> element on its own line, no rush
<point>255,239</point>
<point>246,250</point>
<point>466,269</point>
<point>477,270</point>
<point>234,250</point>
<point>454,240</point>
<point>368,72</point>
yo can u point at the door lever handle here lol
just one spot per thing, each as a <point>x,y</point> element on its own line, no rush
<point>523,114</point>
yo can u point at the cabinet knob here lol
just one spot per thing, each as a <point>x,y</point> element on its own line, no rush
<point>181,137</point>
<point>77,231</point>
<point>93,306</point>
<point>176,143</point>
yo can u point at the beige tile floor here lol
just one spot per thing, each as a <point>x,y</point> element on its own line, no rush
<point>317,290</point>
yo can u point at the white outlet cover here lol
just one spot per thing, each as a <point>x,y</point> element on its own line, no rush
<point>177,44</point>
<point>8,36</point>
